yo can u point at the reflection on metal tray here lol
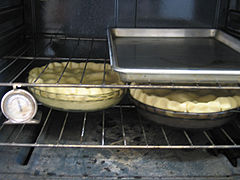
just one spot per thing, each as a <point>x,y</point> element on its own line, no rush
<point>184,120</point>
<point>179,55</point>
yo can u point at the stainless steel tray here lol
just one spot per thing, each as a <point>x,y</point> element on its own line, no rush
<point>174,55</point>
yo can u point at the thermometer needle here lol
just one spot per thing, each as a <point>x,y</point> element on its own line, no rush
<point>19,105</point>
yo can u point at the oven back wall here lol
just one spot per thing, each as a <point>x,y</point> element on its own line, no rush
<point>92,17</point>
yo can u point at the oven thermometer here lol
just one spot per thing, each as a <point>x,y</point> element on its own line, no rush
<point>19,106</point>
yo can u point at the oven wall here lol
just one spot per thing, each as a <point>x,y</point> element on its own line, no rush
<point>11,25</point>
<point>12,30</point>
<point>92,17</point>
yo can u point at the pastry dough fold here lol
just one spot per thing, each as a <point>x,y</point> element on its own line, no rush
<point>188,101</point>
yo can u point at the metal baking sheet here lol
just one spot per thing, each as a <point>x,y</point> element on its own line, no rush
<point>174,55</point>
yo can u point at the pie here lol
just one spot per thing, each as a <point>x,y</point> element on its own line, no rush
<point>192,101</point>
<point>76,98</point>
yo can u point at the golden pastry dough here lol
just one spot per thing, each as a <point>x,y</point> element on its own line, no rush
<point>237,98</point>
<point>176,106</point>
<point>208,107</point>
<point>76,98</point>
<point>193,101</point>
<point>227,103</point>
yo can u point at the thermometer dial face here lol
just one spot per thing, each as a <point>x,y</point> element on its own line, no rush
<point>19,105</point>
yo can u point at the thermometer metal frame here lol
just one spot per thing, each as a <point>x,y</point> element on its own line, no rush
<point>28,96</point>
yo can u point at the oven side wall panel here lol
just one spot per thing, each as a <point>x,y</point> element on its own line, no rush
<point>11,32</point>
<point>11,25</point>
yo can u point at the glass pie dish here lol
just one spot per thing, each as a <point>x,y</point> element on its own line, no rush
<point>76,98</point>
<point>188,108</point>
<point>68,102</point>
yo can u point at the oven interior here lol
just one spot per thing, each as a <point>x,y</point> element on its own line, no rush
<point>116,142</point>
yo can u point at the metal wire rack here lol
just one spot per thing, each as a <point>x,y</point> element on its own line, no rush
<point>118,127</point>
<point>106,130</point>
<point>29,62</point>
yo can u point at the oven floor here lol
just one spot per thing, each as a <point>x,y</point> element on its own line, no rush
<point>113,163</point>
<point>95,163</point>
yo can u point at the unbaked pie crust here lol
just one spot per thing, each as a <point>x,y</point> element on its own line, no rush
<point>201,101</point>
<point>74,98</point>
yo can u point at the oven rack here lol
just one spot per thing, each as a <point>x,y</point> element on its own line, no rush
<point>30,61</point>
<point>104,129</point>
